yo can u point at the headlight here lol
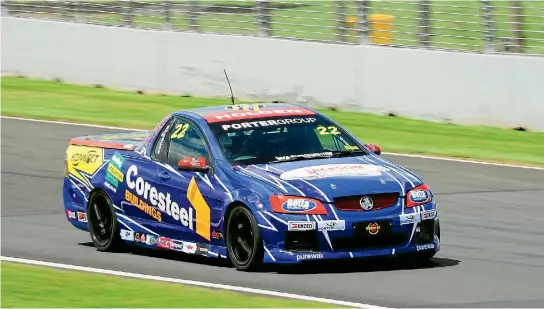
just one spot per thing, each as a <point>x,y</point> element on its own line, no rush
<point>288,204</point>
<point>418,196</point>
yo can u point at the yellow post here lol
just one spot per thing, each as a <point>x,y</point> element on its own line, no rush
<point>381,27</point>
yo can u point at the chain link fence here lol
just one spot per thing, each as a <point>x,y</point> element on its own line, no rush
<point>484,26</point>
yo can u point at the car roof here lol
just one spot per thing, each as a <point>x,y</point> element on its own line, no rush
<point>239,112</point>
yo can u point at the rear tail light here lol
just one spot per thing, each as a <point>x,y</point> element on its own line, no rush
<point>418,196</point>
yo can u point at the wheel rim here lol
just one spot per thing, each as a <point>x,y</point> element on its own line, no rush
<point>100,219</point>
<point>240,236</point>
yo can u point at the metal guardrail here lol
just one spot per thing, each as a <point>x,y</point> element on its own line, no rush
<point>485,26</point>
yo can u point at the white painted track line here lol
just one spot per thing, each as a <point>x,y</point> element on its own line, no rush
<point>386,153</point>
<point>191,282</point>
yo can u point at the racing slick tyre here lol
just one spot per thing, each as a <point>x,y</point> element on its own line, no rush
<point>243,239</point>
<point>103,225</point>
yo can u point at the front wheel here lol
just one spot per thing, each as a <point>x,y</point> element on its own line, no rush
<point>103,225</point>
<point>243,239</point>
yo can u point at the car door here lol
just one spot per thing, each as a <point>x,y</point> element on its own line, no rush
<point>184,196</point>
<point>140,197</point>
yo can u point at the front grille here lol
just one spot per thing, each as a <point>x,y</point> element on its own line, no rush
<point>301,241</point>
<point>353,203</point>
<point>363,239</point>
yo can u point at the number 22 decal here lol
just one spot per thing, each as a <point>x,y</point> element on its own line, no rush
<point>180,131</point>
<point>331,130</point>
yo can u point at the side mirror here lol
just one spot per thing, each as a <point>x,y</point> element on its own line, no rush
<point>375,148</point>
<point>193,165</point>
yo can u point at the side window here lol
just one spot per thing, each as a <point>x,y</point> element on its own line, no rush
<point>160,149</point>
<point>185,142</point>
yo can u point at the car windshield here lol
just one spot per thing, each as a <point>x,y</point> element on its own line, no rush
<point>269,140</point>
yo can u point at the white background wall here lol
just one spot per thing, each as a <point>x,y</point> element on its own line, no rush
<point>465,88</point>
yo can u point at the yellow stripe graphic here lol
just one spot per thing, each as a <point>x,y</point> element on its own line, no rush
<point>201,208</point>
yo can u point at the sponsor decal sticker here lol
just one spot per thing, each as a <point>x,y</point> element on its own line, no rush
<point>113,172</point>
<point>217,235</point>
<point>151,240</point>
<point>109,186</point>
<point>373,228</point>
<point>298,205</point>
<point>425,247</point>
<point>333,170</point>
<point>162,137</point>
<point>70,214</point>
<point>306,156</point>
<point>139,237</point>
<point>428,214</point>
<point>176,245</point>
<point>143,206</point>
<point>84,161</point>
<point>301,225</point>
<point>145,192</point>
<point>202,250</point>
<point>189,247</point>
<point>265,123</point>
<point>331,225</point>
<point>255,114</point>
<point>350,147</point>
<point>81,217</point>
<point>309,256</point>
<point>419,196</point>
<point>127,235</point>
<point>408,219</point>
<point>164,242</point>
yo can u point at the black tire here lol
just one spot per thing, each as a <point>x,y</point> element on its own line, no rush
<point>103,225</point>
<point>243,239</point>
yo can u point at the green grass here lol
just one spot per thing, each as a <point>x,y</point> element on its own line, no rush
<point>51,100</point>
<point>456,24</point>
<point>25,286</point>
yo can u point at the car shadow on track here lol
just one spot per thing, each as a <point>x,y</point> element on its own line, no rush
<point>306,267</point>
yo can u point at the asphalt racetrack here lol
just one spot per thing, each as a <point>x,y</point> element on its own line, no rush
<point>492,250</point>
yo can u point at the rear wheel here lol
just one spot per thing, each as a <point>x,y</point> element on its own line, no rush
<point>103,225</point>
<point>243,239</point>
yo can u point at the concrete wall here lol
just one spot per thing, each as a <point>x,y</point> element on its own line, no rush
<point>465,88</point>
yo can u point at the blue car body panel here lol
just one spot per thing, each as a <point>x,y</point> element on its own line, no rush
<point>161,207</point>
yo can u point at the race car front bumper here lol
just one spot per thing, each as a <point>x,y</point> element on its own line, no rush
<point>356,242</point>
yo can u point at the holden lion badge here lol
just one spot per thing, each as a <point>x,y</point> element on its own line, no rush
<point>366,203</point>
